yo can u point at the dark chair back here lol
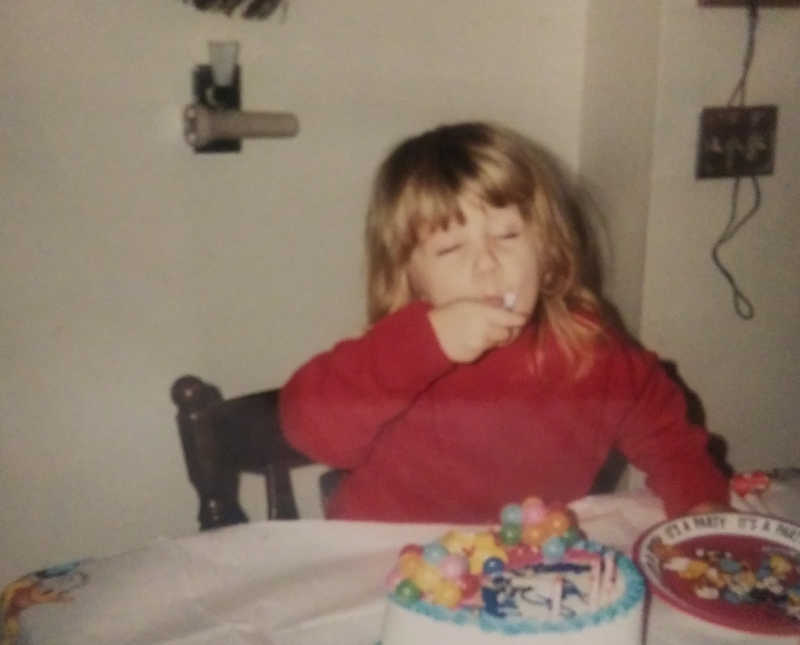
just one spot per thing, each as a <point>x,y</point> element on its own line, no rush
<point>222,438</point>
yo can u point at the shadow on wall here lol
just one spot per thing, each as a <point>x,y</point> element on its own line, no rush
<point>717,446</point>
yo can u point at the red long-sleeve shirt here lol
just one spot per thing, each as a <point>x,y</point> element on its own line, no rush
<point>426,439</point>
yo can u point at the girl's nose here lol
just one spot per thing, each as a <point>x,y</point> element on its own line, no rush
<point>486,259</point>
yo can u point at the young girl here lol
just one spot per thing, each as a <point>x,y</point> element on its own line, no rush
<point>489,372</point>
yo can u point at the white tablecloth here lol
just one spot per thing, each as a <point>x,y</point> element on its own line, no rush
<point>278,583</point>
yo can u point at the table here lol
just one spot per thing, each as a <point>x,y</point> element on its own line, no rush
<point>298,582</point>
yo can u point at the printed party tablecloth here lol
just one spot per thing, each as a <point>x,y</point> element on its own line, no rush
<point>298,582</point>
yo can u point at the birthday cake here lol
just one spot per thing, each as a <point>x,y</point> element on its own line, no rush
<point>532,579</point>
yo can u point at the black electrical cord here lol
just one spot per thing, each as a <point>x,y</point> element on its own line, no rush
<point>741,304</point>
<point>750,50</point>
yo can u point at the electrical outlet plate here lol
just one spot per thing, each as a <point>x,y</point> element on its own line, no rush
<point>736,141</point>
<point>746,3</point>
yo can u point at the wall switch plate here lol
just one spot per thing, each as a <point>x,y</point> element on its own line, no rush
<point>736,141</point>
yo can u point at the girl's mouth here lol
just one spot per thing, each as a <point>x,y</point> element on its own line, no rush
<point>506,301</point>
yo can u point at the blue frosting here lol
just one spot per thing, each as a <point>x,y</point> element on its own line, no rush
<point>632,596</point>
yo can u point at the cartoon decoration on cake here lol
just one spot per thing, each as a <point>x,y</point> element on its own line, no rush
<point>535,562</point>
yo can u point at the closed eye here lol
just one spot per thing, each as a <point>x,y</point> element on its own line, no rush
<point>448,249</point>
<point>509,235</point>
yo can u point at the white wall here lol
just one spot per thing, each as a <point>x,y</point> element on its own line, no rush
<point>127,260</point>
<point>747,373</point>
<point>617,139</point>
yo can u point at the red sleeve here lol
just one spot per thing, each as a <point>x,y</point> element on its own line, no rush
<point>334,406</point>
<point>657,438</point>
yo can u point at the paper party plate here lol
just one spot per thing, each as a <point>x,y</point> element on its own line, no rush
<point>739,570</point>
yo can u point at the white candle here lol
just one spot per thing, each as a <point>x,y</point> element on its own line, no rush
<point>594,593</point>
<point>609,573</point>
<point>555,600</point>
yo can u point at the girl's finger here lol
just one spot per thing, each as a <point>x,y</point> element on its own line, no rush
<point>513,332</point>
<point>496,335</point>
<point>506,318</point>
<point>502,335</point>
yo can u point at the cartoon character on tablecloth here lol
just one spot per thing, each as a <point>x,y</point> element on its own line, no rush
<point>45,586</point>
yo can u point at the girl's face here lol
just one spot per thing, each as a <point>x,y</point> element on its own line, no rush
<point>490,254</point>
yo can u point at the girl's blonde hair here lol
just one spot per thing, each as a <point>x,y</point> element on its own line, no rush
<point>417,189</point>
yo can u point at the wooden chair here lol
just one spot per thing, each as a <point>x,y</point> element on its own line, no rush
<point>222,438</point>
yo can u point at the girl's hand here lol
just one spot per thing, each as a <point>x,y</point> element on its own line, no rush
<point>709,507</point>
<point>466,329</point>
